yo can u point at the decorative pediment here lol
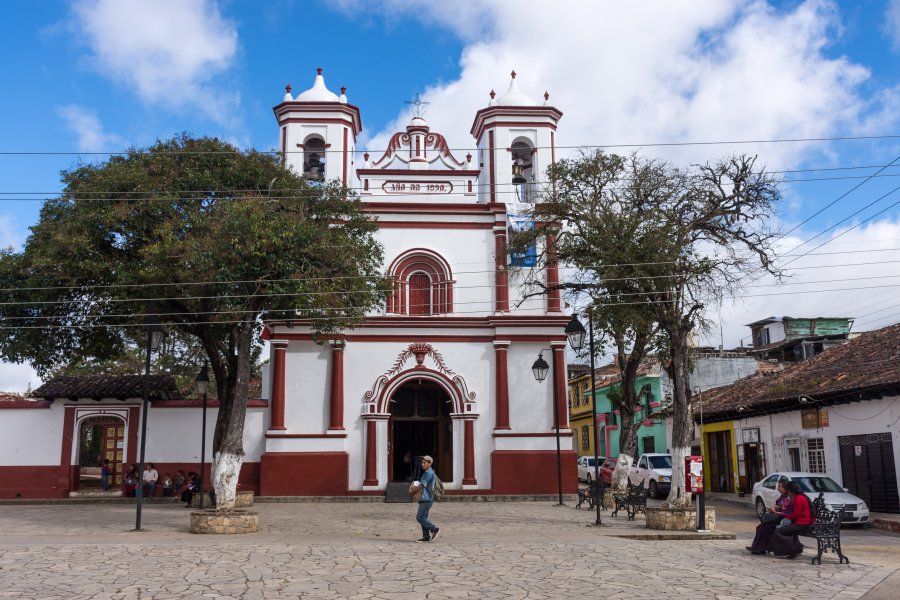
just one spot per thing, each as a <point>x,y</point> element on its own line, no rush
<point>376,399</point>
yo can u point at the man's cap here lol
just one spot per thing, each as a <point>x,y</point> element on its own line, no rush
<point>428,459</point>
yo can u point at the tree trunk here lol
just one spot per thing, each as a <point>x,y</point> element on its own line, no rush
<point>682,429</point>
<point>228,441</point>
<point>620,475</point>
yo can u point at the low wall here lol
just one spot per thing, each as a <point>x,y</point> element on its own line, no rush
<point>239,521</point>
<point>678,520</point>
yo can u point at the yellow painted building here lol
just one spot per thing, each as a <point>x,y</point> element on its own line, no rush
<point>720,466</point>
<point>580,411</point>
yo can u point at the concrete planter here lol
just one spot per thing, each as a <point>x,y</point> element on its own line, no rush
<point>239,521</point>
<point>243,499</point>
<point>678,520</point>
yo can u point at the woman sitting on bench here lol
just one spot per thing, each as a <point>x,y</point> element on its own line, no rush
<point>784,542</point>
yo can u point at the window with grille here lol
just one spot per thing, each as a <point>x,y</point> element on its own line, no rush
<point>815,448</point>
<point>585,437</point>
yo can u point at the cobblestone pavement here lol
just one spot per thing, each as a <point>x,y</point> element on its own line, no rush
<point>512,550</point>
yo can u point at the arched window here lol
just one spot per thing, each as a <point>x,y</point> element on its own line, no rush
<point>314,158</point>
<point>423,284</point>
<point>523,179</point>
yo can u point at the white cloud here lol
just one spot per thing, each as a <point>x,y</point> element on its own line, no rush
<point>892,22</point>
<point>868,285</point>
<point>11,234</point>
<point>88,130</point>
<point>17,378</point>
<point>169,51</point>
<point>676,71</point>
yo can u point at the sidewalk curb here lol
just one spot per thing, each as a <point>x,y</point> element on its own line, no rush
<point>569,499</point>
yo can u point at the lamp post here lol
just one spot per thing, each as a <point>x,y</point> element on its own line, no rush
<point>575,332</point>
<point>154,333</point>
<point>202,381</point>
<point>540,369</point>
<point>701,499</point>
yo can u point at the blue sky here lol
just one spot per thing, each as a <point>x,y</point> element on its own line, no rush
<point>103,75</point>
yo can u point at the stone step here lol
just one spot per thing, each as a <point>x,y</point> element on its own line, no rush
<point>395,492</point>
<point>90,493</point>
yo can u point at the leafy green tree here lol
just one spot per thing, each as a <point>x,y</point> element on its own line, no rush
<point>655,244</point>
<point>218,240</point>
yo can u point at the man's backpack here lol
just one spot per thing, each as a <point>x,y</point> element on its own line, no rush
<point>437,490</point>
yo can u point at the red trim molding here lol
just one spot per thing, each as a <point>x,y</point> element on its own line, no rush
<point>320,436</point>
<point>26,404</point>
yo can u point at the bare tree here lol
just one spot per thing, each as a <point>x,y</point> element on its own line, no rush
<point>664,241</point>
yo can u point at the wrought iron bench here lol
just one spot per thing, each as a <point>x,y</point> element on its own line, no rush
<point>633,500</point>
<point>591,495</point>
<point>826,530</point>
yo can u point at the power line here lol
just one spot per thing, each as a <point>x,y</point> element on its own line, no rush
<point>461,149</point>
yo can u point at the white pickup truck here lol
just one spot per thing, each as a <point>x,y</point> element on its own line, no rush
<point>655,470</point>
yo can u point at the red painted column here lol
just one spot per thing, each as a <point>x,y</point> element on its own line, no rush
<point>502,377</point>
<point>469,458</point>
<point>371,454</point>
<point>559,380</point>
<point>553,296</point>
<point>337,386</point>
<point>279,347</point>
<point>502,275</point>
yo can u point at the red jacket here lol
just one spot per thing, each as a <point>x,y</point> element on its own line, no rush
<point>800,513</point>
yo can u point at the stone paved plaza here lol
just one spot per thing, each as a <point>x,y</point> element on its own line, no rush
<point>510,550</point>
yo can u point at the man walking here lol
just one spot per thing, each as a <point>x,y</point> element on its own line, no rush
<point>426,499</point>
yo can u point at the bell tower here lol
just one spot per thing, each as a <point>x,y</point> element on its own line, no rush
<point>318,132</point>
<point>515,136</point>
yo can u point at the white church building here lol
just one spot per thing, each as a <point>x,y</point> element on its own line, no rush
<point>444,369</point>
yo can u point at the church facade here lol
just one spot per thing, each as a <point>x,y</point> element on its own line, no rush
<point>444,369</point>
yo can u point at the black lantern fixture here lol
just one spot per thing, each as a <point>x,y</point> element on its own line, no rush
<point>154,333</point>
<point>202,381</point>
<point>576,333</point>
<point>540,368</point>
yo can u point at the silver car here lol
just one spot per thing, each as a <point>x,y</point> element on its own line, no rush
<point>853,510</point>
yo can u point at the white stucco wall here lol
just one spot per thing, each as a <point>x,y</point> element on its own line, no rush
<point>20,429</point>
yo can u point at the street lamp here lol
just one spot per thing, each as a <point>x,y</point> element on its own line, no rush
<point>154,333</point>
<point>575,332</point>
<point>202,382</point>
<point>540,369</point>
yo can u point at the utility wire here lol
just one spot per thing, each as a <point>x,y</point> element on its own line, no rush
<point>462,149</point>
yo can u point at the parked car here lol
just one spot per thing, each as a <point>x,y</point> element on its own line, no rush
<point>607,468</point>
<point>655,470</point>
<point>586,468</point>
<point>853,509</point>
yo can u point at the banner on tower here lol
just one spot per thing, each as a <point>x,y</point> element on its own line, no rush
<point>519,218</point>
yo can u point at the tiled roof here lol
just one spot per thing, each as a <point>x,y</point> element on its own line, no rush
<point>119,387</point>
<point>10,397</point>
<point>865,367</point>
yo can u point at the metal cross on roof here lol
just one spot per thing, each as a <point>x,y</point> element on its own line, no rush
<point>417,106</point>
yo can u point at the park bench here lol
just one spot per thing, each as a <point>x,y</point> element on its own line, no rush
<point>633,500</point>
<point>591,495</point>
<point>826,530</point>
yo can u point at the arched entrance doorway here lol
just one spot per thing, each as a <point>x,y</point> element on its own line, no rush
<point>420,424</point>
<point>100,438</point>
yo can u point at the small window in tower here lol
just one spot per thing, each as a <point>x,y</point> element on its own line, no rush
<point>523,171</point>
<point>314,159</point>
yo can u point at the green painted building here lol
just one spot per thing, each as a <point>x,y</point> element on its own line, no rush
<point>651,437</point>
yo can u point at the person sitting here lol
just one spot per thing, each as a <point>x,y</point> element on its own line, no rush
<point>193,483</point>
<point>178,483</point>
<point>784,542</point>
<point>129,484</point>
<point>771,520</point>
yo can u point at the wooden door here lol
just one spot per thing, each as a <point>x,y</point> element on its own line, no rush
<point>113,442</point>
